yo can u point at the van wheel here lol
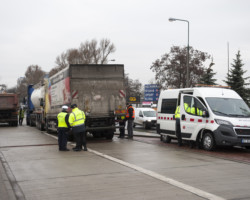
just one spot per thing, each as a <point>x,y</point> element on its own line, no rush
<point>208,142</point>
<point>145,126</point>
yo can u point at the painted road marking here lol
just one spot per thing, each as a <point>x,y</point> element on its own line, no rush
<point>170,181</point>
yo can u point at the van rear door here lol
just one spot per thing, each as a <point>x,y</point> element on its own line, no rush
<point>191,111</point>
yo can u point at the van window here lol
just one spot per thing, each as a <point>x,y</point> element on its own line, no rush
<point>193,106</point>
<point>168,106</point>
<point>228,107</point>
<point>150,113</point>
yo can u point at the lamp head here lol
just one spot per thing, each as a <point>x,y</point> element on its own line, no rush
<point>171,19</point>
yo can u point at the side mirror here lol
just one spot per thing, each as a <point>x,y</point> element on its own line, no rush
<point>140,115</point>
<point>205,114</point>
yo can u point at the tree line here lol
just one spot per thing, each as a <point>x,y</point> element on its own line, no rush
<point>170,70</point>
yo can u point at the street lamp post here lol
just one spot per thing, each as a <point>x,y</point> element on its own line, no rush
<point>174,19</point>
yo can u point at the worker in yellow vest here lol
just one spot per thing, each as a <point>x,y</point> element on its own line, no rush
<point>77,122</point>
<point>21,116</point>
<point>63,128</point>
<point>178,126</point>
<point>122,122</point>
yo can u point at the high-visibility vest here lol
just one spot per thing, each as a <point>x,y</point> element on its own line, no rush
<point>127,114</point>
<point>187,108</point>
<point>177,112</point>
<point>21,113</point>
<point>76,118</point>
<point>61,120</point>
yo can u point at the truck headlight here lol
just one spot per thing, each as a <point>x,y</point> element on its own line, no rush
<point>223,122</point>
<point>148,120</point>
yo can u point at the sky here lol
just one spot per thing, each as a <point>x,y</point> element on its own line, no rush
<point>35,32</point>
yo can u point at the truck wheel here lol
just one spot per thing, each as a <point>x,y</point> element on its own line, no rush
<point>208,142</point>
<point>70,137</point>
<point>47,127</point>
<point>168,139</point>
<point>145,125</point>
<point>109,135</point>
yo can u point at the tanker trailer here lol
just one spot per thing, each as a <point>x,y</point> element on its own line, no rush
<point>36,112</point>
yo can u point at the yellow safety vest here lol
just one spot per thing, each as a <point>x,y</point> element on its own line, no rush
<point>76,118</point>
<point>61,120</point>
<point>187,108</point>
<point>21,113</point>
<point>177,112</point>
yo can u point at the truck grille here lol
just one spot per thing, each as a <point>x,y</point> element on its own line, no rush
<point>242,131</point>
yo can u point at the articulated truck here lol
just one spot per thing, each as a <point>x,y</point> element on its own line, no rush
<point>9,109</point>
<point>98,90</point>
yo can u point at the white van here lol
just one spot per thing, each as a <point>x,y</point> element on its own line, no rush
<point>219,117</point>
<point>145,117</point>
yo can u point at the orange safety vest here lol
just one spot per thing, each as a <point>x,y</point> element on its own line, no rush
<point>127,114</point>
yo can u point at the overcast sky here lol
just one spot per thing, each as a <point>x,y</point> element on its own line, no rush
<point>35,32</point>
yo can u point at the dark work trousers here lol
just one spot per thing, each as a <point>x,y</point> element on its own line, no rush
<point>62,138</point>
<point>178,131</point>
<point>122,130</point>
<point>130,128</point>
<point>84,140</point>
<point>78,138</point>
<point>20,121</point>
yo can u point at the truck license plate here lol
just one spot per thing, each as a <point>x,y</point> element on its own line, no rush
<point>245,141</point>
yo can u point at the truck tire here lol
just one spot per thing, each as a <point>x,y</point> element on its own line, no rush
<point>168,139</point>
<point>208,142</point>
<point>109,135</point>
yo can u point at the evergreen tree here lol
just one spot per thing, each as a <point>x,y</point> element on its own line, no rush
<point>207,78</point>
<point>235,78</point>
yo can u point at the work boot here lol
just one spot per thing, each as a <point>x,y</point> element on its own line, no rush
<point>85,149</point>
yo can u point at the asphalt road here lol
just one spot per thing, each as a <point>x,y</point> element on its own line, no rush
<point>143,168</point>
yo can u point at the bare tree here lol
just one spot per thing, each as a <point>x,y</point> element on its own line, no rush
<point>34,74</point>
<point>170,70</point>
<point>106,48</point>
<point>132,87</point>
<point>87,53</point>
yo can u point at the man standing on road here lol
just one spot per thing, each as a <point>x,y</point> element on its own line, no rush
<point>77,120</point>
<point>130,116</point>
<point>63,128</point>
<point>21,116</point>
<point>178,125</point>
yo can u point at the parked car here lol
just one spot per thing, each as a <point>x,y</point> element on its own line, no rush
<point>145,117</point>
